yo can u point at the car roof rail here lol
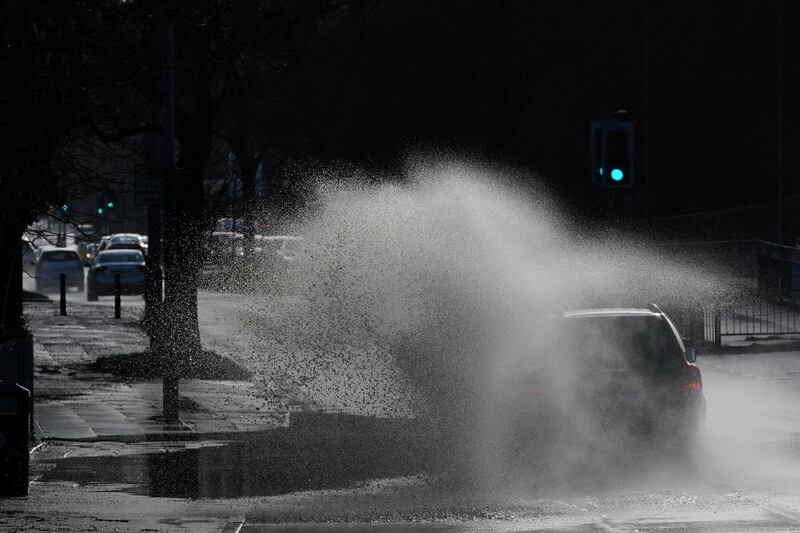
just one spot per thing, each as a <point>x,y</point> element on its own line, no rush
<point>653,307</point>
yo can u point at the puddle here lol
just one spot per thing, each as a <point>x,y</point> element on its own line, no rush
<point>322,452</point>
<point>355,528</point>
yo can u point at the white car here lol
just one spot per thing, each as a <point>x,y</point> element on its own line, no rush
<point>282,248</point>
<point>52,262</point>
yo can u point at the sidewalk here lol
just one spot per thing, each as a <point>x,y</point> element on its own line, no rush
<point>81,414</point>
<point>107,463</point>
<point>73,402</point>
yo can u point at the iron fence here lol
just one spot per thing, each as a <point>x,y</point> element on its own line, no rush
<point>747,319</point>
<point>758,319</point>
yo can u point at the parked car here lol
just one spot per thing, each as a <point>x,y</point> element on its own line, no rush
<point>126,241</point>
<point>51,262</point>
<point>91,253</point>
<point>224,246</point>
<point>623,372</point>
<point>282,248</point>
<point>129,264</point>
<point>104,240</point>
<point>83,251</point>
<point>235,225</point>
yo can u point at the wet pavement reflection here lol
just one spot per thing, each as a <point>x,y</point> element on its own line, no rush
<point>317,451</point>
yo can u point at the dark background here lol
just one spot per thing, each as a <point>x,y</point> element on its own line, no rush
<point>519,81</point>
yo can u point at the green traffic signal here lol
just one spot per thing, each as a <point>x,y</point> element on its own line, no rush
<point>99,210</point>
<point>110,204</point>
<point>65,207</point>
<point>617,174</point>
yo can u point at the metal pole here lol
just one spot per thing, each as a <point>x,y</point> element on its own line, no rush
<point>648,184</point>
<point>628,199</point>
<point>779,122</point>
<point>62,281</point>
<point>117,297</point>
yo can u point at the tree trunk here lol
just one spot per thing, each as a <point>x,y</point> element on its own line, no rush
<point>11,231</point>
<point>181,332</point>
<point>185,250</point>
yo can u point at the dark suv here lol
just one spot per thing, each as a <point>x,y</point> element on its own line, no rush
<point>615,374</point>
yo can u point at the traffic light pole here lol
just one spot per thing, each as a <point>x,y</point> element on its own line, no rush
<point>629,204</point>
<point>619,203</point>
<point>781,236</point>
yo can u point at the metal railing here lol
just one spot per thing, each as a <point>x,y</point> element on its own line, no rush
<point>758,319</point>
<point>761,318</point>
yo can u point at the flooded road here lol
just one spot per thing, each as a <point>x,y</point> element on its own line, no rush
<point>413,307</point>
<point>350,470</point>
<point>351,473</point>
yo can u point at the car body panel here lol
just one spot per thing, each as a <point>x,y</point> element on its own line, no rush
<point>126,241</point>
<point>51,262</point>
<point>280,247</point>
<point>619,374</point>
<point>129,264</point>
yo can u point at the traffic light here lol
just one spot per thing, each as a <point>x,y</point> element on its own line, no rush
<point>611,145</point>
<point>618,160</point>
<point>106,203</point>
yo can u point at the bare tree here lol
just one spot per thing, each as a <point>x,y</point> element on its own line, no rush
<point>48,78</point>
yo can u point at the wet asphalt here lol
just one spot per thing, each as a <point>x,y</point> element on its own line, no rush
<point>355,472</point>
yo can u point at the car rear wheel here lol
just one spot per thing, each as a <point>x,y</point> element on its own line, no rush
<point>91,295</point>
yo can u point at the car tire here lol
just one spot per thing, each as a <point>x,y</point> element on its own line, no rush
<point>80,287</point>
<point>91,295</point>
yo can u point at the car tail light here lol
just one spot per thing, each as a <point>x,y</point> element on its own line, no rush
<point>99,269</point>
<point>140,268</point>
<point>694,385</point>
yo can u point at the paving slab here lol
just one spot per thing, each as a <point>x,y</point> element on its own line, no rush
<point>74,402</point>
<point>55,420</point>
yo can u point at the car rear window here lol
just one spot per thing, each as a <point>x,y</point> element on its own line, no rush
<point>641,342</point>
<point>60,256</point>
<point>120,257</point>
<point>134,245</point>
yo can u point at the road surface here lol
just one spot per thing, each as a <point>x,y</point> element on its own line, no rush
<point>746,476</point>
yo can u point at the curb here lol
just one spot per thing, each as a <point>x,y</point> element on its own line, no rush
<point>750,348</point>
<point>178,436</point>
